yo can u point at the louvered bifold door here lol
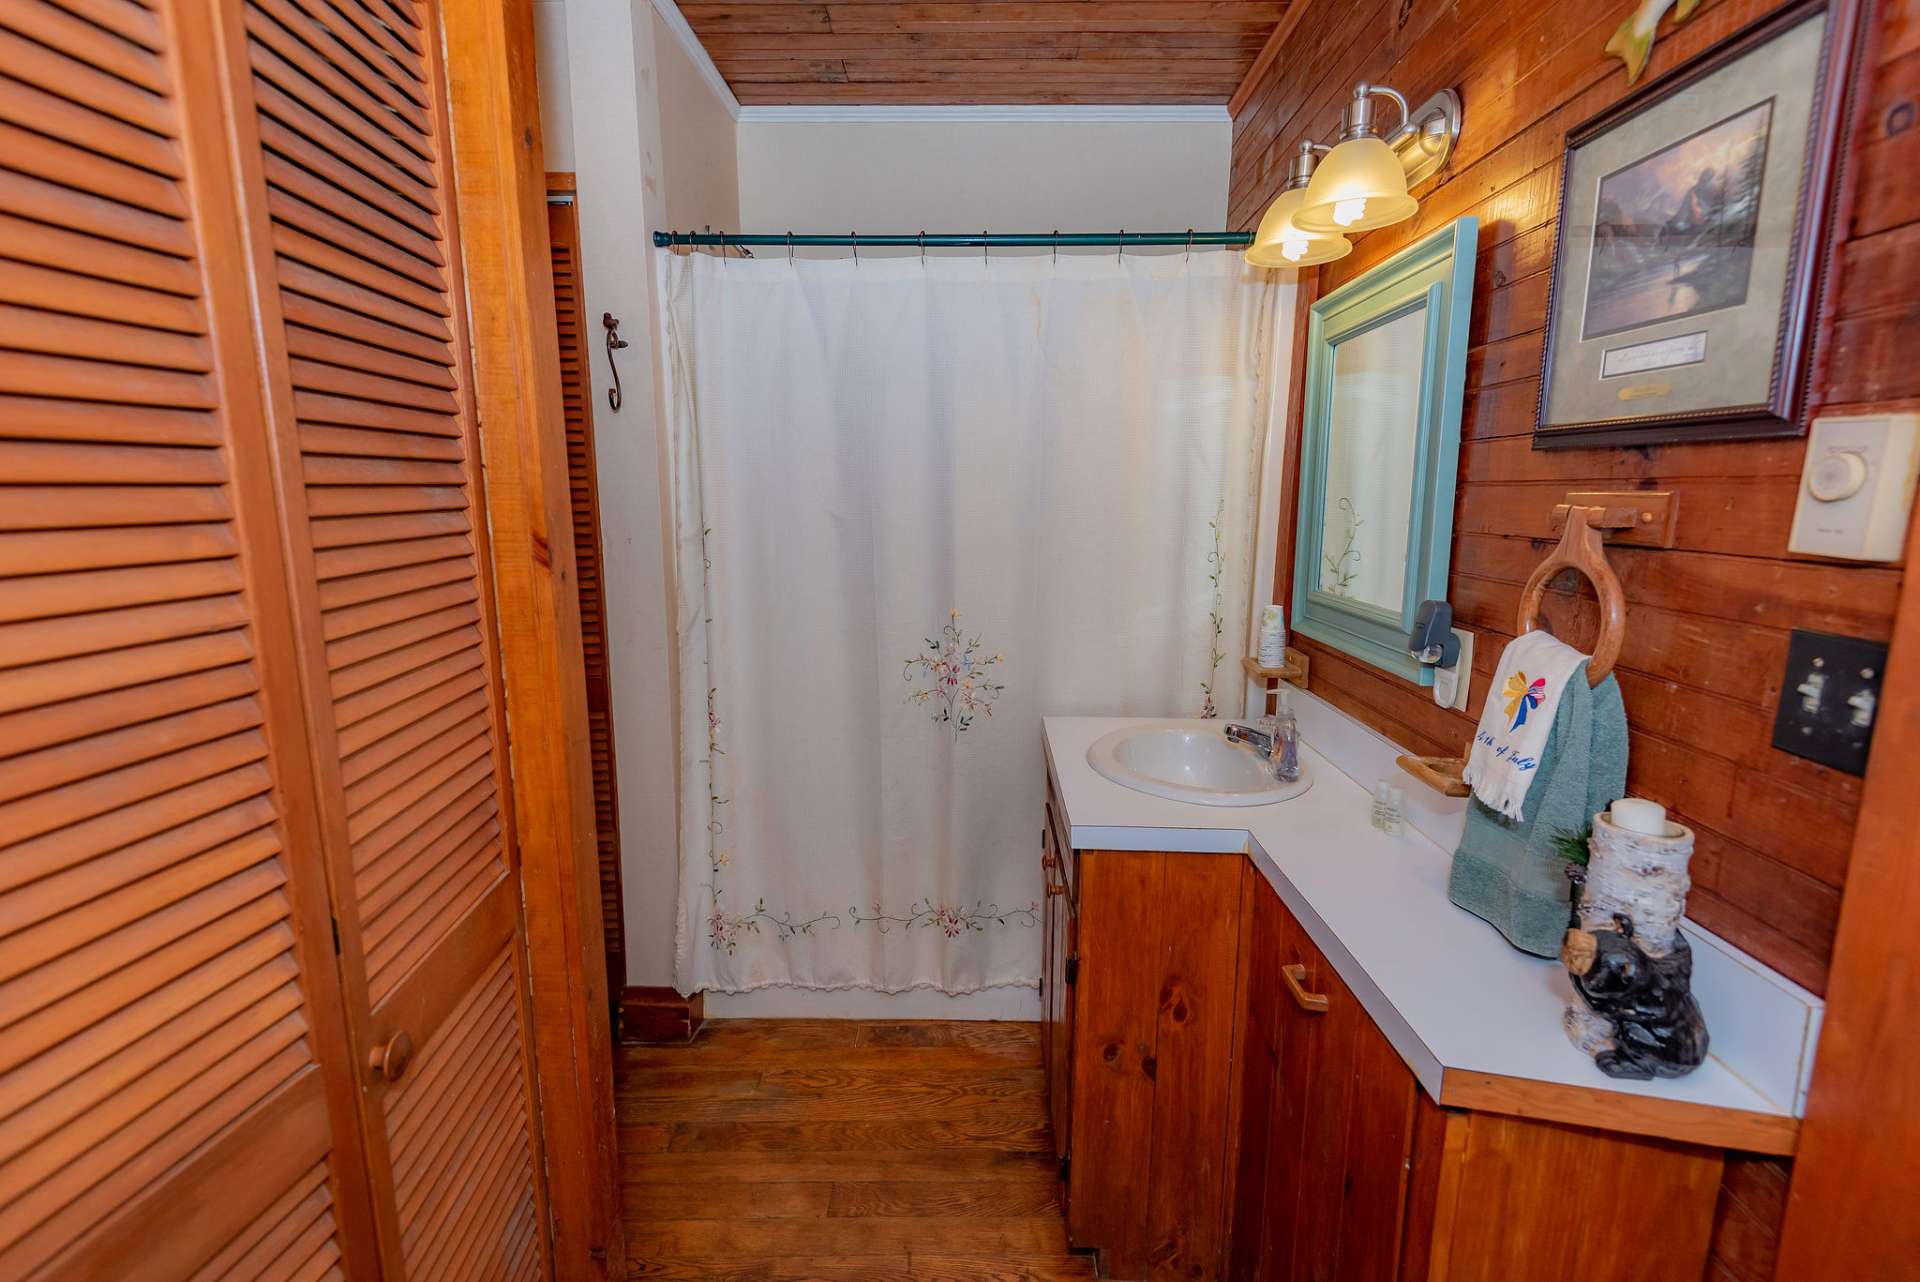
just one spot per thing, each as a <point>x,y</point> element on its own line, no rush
<point>345,154</point>
<point>175,1097</point>
<point>583,492</point>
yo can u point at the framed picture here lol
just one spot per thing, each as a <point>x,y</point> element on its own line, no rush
<point>1692,238</point>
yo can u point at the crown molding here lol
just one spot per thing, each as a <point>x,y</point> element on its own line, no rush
<point>702,60</point>
<point>874,114</point>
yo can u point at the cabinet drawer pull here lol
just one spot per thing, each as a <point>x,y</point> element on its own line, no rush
<point>1296,975</point>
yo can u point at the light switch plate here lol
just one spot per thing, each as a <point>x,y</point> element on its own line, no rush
<point>1856,486</point>
<point>1829,699</point>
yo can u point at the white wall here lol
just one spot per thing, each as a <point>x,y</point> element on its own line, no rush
<point>651,145</point>
<point>655,145</point>
<point>697,141</point>
<point>1033,174</point>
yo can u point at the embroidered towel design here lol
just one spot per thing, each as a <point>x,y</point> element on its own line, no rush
<point>1513,728</point>
<point>1522,697</point>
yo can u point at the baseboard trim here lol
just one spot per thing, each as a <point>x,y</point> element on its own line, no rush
<point>660,1015</point>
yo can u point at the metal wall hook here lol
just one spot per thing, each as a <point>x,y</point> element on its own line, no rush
<point>614,344</point>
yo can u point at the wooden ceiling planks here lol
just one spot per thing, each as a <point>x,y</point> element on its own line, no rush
<point>793,52</point>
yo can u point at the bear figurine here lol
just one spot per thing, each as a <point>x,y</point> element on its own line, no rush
<point>1647,1000</point>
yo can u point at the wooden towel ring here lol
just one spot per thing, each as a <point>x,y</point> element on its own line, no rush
<point>1580,549</point>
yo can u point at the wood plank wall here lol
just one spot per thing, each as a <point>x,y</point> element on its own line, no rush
<point>1709,619</point>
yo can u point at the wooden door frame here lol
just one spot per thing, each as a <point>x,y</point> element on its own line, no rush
<point>501,199</point>
<point>1846,1217</point>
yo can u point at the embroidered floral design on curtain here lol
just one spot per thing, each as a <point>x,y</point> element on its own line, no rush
<point>1056,459</point>
<point>958,687</point>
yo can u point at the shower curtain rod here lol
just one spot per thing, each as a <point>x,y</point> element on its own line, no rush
<point>962,240</point>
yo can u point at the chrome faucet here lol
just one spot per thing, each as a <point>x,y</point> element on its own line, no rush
<point>1259,741</point>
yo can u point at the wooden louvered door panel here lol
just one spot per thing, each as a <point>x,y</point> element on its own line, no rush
<point>346,182</point>
<point>176,1099</point>
<point>583,491</point>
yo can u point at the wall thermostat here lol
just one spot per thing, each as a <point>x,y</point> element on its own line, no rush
<point>1856,487</point>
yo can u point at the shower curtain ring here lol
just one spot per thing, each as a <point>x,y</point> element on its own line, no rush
<point>1120,245</point>
<point>983,245</point>
<point>855,236</point>
<point>789,249</point>
<point>1056,246</point>
<point>923,248</point>
<point>1189,244</point>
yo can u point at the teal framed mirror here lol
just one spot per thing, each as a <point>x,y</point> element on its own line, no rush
<point>1386,370</point>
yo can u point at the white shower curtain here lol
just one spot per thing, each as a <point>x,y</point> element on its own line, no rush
<point>918,505</point>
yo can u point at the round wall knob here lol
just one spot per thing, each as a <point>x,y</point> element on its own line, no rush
<point>390,1061</point>
<point>1837,476</point>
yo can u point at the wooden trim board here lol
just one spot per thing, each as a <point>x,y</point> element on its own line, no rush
<point>1849,1207</point>
<point>502,194</point>
<point>1616,1111</point>
<point>659,1015</point>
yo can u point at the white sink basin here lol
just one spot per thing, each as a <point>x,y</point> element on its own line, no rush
<point>1185,763</point>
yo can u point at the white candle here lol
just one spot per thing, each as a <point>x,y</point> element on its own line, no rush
<point>1636,814</point>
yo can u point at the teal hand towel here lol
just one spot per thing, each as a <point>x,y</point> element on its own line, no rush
<point>1508,871</point>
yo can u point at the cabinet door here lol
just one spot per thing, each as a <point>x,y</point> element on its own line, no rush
<point>175,1091</point>
<point>345,180</point>
<point>1259,1071</point>
<point>1356,1136</point>
<point>1154,1007</point>
<point>1322,1198</point>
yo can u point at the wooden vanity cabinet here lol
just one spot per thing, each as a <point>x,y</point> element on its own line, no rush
<point>1225,1108</point>
<point>1345,1170</point>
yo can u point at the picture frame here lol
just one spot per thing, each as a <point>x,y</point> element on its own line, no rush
<point>1386,369</point>
<point>1694,239</point>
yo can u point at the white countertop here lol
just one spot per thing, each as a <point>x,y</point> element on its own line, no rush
<point>1445,988</point>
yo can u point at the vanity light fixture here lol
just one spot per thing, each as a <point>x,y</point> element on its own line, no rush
<point>1281,242</point>
<point>1362,184</point>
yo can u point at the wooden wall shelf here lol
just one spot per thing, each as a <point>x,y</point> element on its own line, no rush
<point>1442,774</point>
<point>1294,671</point>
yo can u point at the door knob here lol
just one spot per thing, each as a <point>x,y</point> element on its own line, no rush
<point>391,1060</point>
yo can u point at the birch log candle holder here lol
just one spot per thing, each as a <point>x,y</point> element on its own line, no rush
<point>1629,962</point>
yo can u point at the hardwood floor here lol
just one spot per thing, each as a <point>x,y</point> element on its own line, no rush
<point>842,1151</point>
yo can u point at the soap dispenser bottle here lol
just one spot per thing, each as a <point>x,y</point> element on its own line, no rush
<point>1286,741</point>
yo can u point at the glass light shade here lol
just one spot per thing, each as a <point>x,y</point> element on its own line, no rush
<point>1359,186</point>
<point>1281,243</point>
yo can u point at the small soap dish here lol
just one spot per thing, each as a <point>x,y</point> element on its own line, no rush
<point>1442,774</point>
